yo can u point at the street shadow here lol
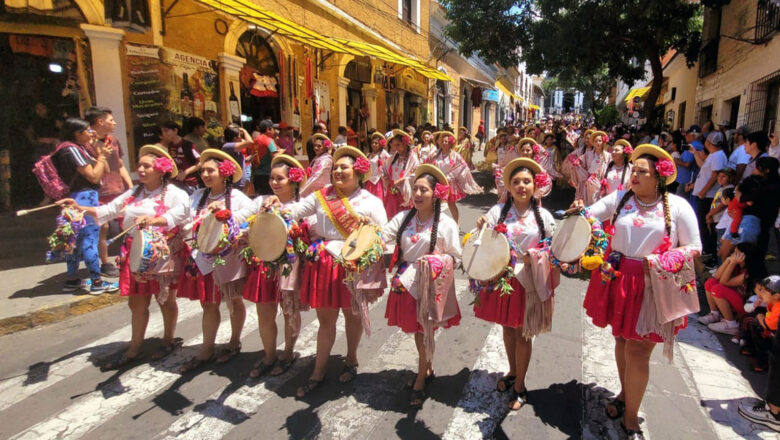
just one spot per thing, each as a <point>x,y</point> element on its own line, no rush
<point>49,287</point>
<point>724,412</point>
<point>39,371</point>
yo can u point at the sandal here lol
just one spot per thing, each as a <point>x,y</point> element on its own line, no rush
<point>521,398</point>
<point>120,360</point>
<point>282,365</point>
<point>620,408</point>
<point>228,353</point>
<point>508,382</point>
<point>194,364</point>
<point>260,369</point>
<point>310,386</point>
<point>348,369</point>
<point>413,379</point>
<point>166,349</point>
<point>417,399</point>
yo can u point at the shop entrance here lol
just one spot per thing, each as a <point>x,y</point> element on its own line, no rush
<point>259,80</point>
<point>358,72</point>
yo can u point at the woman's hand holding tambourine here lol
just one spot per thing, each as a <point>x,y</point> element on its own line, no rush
<point>576,206</point>
<point>215,206</point>
<point>272,202</point>
<point>481,221</point>
<point>67,202</point>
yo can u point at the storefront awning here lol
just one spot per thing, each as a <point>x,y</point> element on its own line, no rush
<point>534,107</point>
<point>391,56</point>
<point>507,92</point>
<point>477,83</point>
<point>640,92</point>
<point>250,12</point>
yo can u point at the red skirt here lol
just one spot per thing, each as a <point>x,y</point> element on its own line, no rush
<point>259,288</point>
<point>323,284</point>
<point>129,285</point>
<point>394,203</point>
<point>401,310</point>
<point>618,302</point>
<point>507,310</point>
<point>377,189</point>
<point>199,288</point>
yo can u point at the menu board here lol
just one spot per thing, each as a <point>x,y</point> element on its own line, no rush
<point>166,84</point>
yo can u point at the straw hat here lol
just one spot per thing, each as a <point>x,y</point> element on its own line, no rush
<point>657,152</point>
<point>526,140</point>
<point>597,133</point>
<point>518,163</point>
<point>352,152</point>
<point>398,132</point>
<point>213,153</point>
<point>156,150</point>
<point>289,161</point>
<point>432,170</point>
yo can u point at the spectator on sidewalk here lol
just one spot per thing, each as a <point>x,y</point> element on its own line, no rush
<point>83,171</point>
<point>774,146</point>
<point>341,138</point>
<point>115,181</point>
<point>739,157</point>
<point>718,207</point>
<point>237,141</point>
<point>184,154</point>
<point>726,289</point>
<point>767,413</point>
<point>264,149</point>
<point>706,185</point>
<point>756,144</point>
<point>320,128</point>
<point>196,129</point>
<point>285,142</point>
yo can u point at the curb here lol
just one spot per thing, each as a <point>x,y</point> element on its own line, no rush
<point>50,315</point>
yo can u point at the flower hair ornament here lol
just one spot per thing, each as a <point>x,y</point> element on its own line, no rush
<point>441,191</point>
<point>628,150</point>
<point>326,143</point>
<point>664,167</point>
<point>163,165</point>
<point>362,166</point>
<point>226,168</point>
<point>296,175</point>
<point>382,142</point>
<point>542,180</point>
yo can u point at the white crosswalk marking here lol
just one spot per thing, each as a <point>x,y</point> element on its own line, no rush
<point>92,410</point>
<point>482,407</point>
<point>14,390</point>
<point>357,412</point>
<point>213,420</point>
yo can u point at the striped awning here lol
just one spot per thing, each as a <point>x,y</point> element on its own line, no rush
<point>640,92</point>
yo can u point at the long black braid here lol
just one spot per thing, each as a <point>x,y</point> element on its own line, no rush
<point>407,219</point>
<point>410,215</point>
<point>625,168</point>
<point>435,227</point>
<point>534,205</point>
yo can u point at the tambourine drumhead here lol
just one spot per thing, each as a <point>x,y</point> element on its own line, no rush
<point>209,233</point>
<point>487,260</point>
<point>571,239</point>
<point>137,249</point>
<point>268,236</point>
<point>359,242</point>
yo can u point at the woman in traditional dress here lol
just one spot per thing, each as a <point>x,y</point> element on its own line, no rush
<point>465,147</point>
<point>267,285</point>
<point>456,169</point>
<point>596,161</point>
<point>320,166</point>
<point>618,176</point>
<point>574,167</point>
<point>522,305</point>
<point>504,156</point>
<point>554,167</point>
<point>153,196</point>
<point>398,172</point>
<point>427,148</point>
<point>428,242</point>
<point>494,146</point>
<point>339,209</point>
<point>646,221</point>
<point>378,157</point>
<point>212,278</point>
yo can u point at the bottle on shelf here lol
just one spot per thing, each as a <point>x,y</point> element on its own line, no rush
<point>198,100</point>
<point>186,97</point>
<point>235,108</point>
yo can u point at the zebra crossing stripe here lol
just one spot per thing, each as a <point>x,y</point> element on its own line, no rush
<point>46,374</point>
<point>216,418</point>
<point>92,410</point>
<point>481,407</point>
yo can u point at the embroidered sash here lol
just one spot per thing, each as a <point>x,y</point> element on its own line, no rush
<point>338,210</point>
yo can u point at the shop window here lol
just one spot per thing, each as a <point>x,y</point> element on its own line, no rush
<point>409,12</point>
<point>442,109</point>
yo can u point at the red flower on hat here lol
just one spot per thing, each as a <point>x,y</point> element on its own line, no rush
<point>226,168</point>
<point>295,175</point>
<point>406,140</point>
<point>441,191</point>
<point>362,166</point>
<point>542,180</point>
<point>382,142</point>
<point>163,165</point>
<point>326,143</point>
<point>627,149</point>
<point>223,215</point>
<point>664,167</point>
<point>500,228</point>
<point>536,148</point>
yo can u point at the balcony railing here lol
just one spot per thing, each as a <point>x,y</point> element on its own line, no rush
<point>767,19</point>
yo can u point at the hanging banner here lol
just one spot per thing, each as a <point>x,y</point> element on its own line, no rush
<point>322,101</point>
<point>166,84</point>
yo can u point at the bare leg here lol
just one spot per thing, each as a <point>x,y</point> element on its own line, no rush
<point>424,365</point>
<point>620,360</point>
<point>711,301</point>
<point>509,347</point>
<point>103,244</point>
<point>725,249</point>
<point>139,310</point>
<point>637,374</point>
<point>725,308</point>
<point>292,322</point>
<point>454,210</point>
<point>237,318</point>
<point>326,336</point>
<point>210,325</point>
<point>523,349</point>
<point>170,314</point>
<point>354,330</point>
<point>266,314</point>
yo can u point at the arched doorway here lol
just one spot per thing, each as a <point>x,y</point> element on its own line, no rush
<point>259,79</point>
<point>358,72</point>
<point>568,102</point>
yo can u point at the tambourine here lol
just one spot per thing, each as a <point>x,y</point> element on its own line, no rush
<point>571,239</point>
<point>486,254</point>
<point>149,248</point>
<point>268,236</point>
<point>362,248</point>
<point>213,237</point>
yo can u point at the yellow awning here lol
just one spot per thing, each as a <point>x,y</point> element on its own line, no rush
<point>507,92</point>
<point>248,11</point>
<point>641,92</point>
<point>534,107</point>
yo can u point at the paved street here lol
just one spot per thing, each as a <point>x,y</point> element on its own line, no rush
<point>50,386</point>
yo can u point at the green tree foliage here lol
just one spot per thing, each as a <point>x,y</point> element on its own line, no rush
<point>579,38</point>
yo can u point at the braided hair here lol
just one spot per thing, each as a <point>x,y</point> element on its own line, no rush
<point>623,174</point>
<point>395,156</point>
<point>207,192</point>
<point>137,189</point>
<point>412,212</point>
<point>661,189</point>
<point>534,205</point>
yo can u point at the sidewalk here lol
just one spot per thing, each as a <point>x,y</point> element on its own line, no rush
<point>32,296</point>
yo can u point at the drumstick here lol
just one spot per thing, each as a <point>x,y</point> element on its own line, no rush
<point>111,240</point>
<point>477,242</point>
<point>29,211</point>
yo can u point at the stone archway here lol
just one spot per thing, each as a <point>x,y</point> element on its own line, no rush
<point>94,11</point>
